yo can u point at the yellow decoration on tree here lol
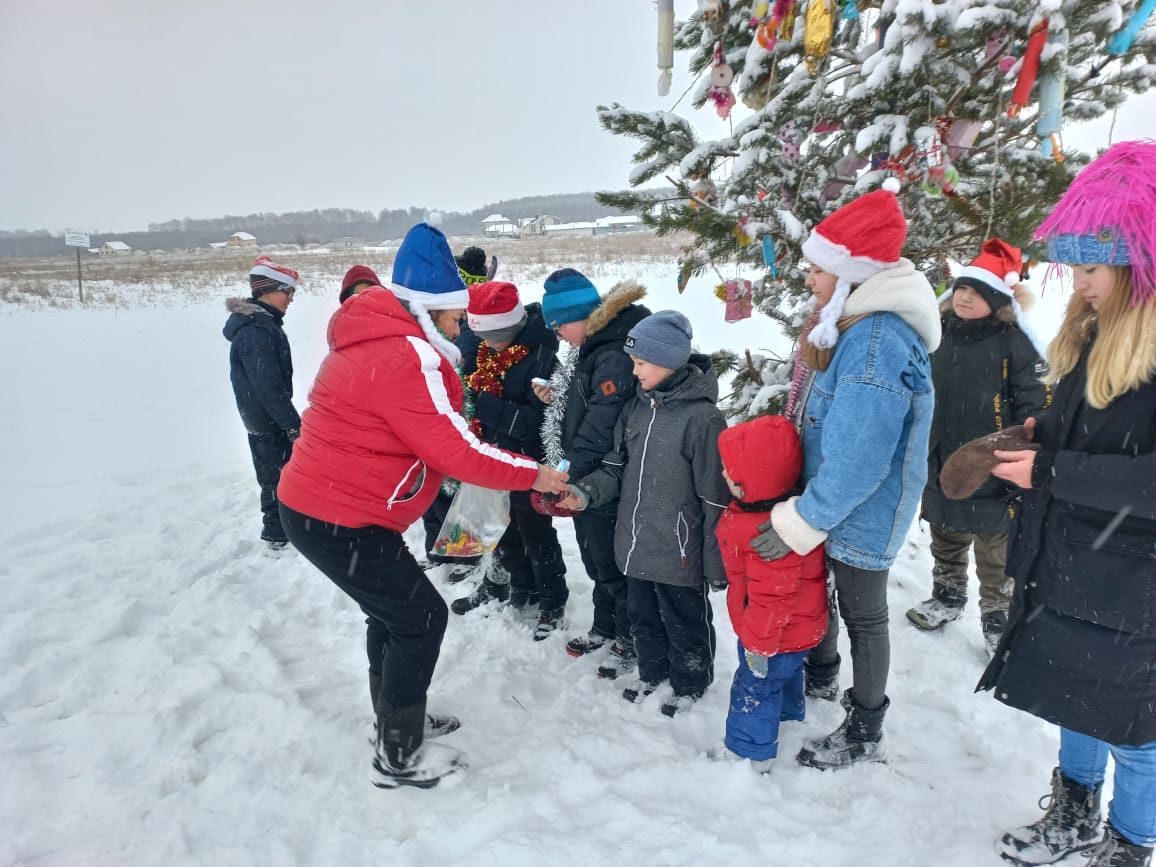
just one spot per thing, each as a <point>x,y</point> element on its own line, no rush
<point>818,31</point>
<point>720,291</point>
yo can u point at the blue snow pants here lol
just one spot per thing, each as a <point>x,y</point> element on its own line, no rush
<point>758,704</point>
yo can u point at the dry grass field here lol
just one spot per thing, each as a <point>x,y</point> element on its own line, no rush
<point>141,279</point>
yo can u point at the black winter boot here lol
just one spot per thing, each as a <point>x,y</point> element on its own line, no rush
<point>401,757</point>
<point>1115,851</point>
<point>585,644</point>
<point>858,739</point>
<point>821,681</point>
<point>1071,823</point>
<point>487,592</point>
<point>993,623</point>
<point>621,660</point>
<point>945,605</point>
<point>549,622</point>
<point>436,725</point>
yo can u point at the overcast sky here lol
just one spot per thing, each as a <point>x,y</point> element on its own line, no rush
<point>118,113</point>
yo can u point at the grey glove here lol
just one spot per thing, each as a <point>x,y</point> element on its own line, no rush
<point>719,583</point>
<point>769,544</point>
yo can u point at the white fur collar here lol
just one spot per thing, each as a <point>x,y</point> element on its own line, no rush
<point>904,291</point>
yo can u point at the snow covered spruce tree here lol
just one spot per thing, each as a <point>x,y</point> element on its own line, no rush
<point>963,101</point>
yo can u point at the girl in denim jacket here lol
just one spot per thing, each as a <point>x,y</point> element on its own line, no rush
<point>865,423</point>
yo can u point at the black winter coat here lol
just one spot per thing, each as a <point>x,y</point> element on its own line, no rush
<point>260,366</point>
<point>603,381</point>
<point>514,420</point>
<point>987,377</point>
<point>1080,646</point>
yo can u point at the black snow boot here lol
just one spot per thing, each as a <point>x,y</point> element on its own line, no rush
<point>821,681</point>
<point>459,572</point>
<point>525,602</point>
<point>993,623</point>
<point>436,725</point>
<point>550,621</point>
<point>487,592</point>
<point>858,739</point>
<point>621,660</point>
<point>585,644</point>
<point>402,758</point>
<point>1115,851</point>
<point>1071,823</point>
<point>945,605</point>
<point>640,689</point>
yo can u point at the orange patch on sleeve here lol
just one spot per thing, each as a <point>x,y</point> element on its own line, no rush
<point>608,387</point>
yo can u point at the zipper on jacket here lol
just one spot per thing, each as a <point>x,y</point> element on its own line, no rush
<point>393,498</point>
<point>638,495</point>
<point>679,525</point>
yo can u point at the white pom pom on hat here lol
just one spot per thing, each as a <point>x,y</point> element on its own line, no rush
<point>891,185</point>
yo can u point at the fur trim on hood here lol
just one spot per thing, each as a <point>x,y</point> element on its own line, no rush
<point>620,296</point>
<point>244,307</point>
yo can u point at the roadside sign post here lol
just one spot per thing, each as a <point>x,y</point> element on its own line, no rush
<point>76,239</point>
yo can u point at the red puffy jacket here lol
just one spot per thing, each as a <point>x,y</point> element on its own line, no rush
<point>384,425</point>
<point>780,606</point>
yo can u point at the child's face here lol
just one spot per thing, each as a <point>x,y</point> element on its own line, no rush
<point>969,304</point>
<point>1093,283</point>
<point>649,376</point>
<point>572,332</point>
<point>736,490</point>
<point>822,284</point>
<point>497,345</point>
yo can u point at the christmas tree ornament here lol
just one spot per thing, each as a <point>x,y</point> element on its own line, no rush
<point>739,300</point>
<point>781,25</point>
<point>818,31</point>
<point>665,45</point>
<point>791,139</point>
<point>940,180</point>
<point>1006,64</point>
<point>742,236</point>
<point>720,291</point>
<point>770,255</point>
<point>1029,70</point>
<point>1122,41</point>
<point>960,135</point>
<point>1050,116</point>
<point>721,77</point>
<point>846,167</point>
<point>704,191</point>
<point>850,10</point>
<point>710,10</point>
<point>758,13</point>
<point>685,270</point>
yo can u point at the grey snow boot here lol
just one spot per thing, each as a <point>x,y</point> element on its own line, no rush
<point>994,623</point>
<point>858,739</point>
<point>944,606</point>
<point>1115,851</point>
<point>401,757</point>
<point>821,681</point>
<point>1071,823</point>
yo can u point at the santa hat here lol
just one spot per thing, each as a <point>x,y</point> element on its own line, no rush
<point>996,274</point>
<point>494,307</point>
<point>356,275</point>
<point>854,243</point>
<point>267,276</point>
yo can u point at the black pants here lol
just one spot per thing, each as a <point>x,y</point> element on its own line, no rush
<point>862,598</point>
<point>673,634</point>
<point>405,615</point>
<point>270,453</point>
<point>530,554</point>
<point>595,533</point>
<point>432,520</point>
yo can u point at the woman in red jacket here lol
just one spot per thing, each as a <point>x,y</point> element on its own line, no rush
<point>778,608</point>
<point>383,428</point>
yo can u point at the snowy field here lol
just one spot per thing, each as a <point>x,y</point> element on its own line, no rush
<point>169,694</point>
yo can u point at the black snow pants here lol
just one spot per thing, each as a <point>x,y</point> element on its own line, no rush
<point>673,635</point>
<point>594,530</point>
<point>270,453</point>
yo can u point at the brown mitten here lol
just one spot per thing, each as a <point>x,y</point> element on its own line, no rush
<point>967,469</point>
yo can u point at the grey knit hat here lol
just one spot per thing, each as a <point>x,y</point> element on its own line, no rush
<point>663,338</point>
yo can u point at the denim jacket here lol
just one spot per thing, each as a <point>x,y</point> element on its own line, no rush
<point>866,422</point>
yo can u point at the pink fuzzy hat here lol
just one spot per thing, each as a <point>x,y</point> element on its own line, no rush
<point>1106,216</point>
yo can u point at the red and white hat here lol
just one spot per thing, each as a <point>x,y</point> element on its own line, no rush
<point>494,306</point>
<point>996,269</point>
<point>854,243</point>
<point>265,269</point>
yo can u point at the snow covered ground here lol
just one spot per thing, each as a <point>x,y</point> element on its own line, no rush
<point>169,694</point>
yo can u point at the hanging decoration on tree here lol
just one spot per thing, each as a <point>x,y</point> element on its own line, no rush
<point>758,13</point>
<point>1050,117</point>
<point>742,237</point>
<point>960,134</point>
<point>704,191</point>
<point>791,138</point>
<point>850,10</point>
<point>1029,70</point>
<point>739,300</point>
<point>721,77</point>
<point>1122,40</point>
<point>665,45</point>
<point>846,167</point>
<point>818,31</point>
<point>710,10</point>
<point>685,270</point>
<point>771,255</point>
<point>781,25</point>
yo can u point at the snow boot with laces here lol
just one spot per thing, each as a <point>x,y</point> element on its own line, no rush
<point>858,739</point>
<point>821,681</point>
<point>585,644</point>
<point>549,622</point>
<point>945,605</point>
<point>402,758</point>
<point>487,591</point>
<point>436,725</point>
<point>1071,823</point>
<point>1115,851</point>
<point>620,661</point>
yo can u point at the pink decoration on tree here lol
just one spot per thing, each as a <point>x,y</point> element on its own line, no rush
<point>739,300</point>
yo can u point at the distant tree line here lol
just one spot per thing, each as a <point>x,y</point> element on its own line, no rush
<point>309,227</point>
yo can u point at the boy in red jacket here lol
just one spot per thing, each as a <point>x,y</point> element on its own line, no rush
<point>778,608</point>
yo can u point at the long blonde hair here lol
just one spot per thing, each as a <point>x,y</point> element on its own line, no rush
<point>1123,356</point>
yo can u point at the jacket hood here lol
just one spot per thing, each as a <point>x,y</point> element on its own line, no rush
<point>370,315</point>
<point>904,291</point>
<point>615,316</point>
<point>763,455</point>
<point>248,311</point>
<point>695,380</point>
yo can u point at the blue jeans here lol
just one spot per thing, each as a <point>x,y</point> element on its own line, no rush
<point>758,704</point>
<point>1132,811</point>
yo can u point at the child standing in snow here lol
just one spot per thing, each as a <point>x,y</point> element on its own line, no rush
<point>986,374</point>
<point>666,473</point>
<point>778,608</point>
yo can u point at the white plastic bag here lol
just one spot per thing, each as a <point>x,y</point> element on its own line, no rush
<point>475,523</point>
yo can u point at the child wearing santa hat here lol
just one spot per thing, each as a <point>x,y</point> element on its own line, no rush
<point>986,374</point>
<point>513,347</point>
<point>865,423</point>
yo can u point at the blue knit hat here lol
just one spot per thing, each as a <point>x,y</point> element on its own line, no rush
<point>425,272</point>
<point>570,297</point>
<point>663,338</point>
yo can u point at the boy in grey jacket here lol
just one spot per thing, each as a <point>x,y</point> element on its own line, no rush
<point>666,473</point>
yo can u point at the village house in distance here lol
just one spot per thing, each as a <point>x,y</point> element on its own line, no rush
<point>497,226</point>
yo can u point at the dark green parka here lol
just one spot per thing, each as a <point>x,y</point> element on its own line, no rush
<point>987,377</point>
